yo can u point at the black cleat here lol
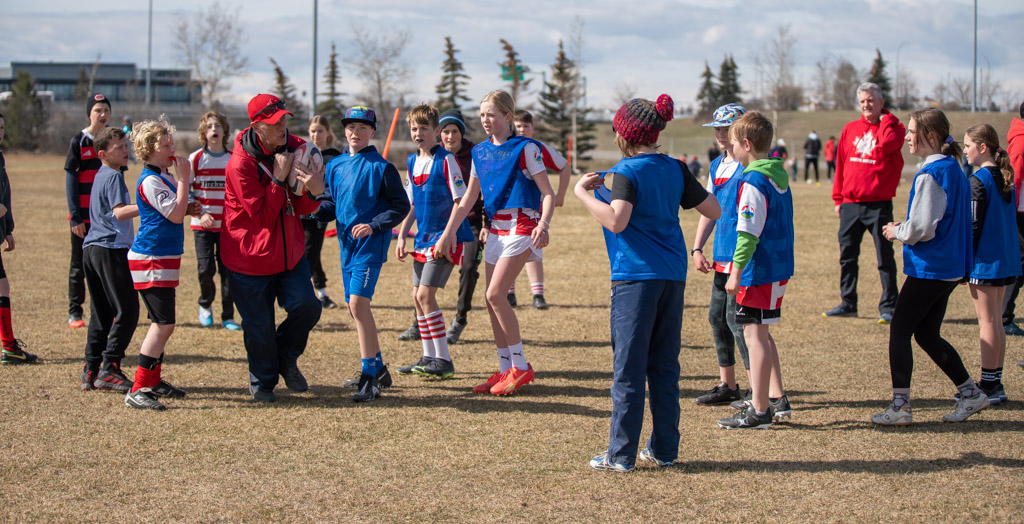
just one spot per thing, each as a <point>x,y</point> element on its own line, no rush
<point>539,302</point>
<point>369,389</point>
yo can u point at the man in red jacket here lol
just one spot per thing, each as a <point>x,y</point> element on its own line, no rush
<point>1015,150</point>
<point>262,245</point>
<point>868,168</point>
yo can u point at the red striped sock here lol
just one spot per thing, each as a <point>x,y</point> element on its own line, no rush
<point>435,325</point>
<point>537,288</point>
<point>428,345</point>
<point>6,324</point>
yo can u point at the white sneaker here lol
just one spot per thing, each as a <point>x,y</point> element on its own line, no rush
<point>205,317</point>
<point>965,407</point>
<point>894,417</point>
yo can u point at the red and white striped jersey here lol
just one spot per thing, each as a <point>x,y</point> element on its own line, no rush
<point>208,185</point>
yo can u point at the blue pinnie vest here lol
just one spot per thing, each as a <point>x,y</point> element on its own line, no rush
<point>773,258</point>
<point>998,251</point>
<point>948,255</point>
<point>432,199</point>
<point>502,182</point>
<point>727,194</point>
<point>651,247</point>
<point>157,236</point>
<point>355,182</point>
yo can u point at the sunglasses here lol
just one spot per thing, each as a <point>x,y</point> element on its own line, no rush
<point>271,109</point>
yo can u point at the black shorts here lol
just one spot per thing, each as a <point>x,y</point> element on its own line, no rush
<point>997,282</point>
<point>753,315</point>
<point>3,272</point>
<point>159,304</point>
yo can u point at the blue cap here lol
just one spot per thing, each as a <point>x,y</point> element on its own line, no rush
<point>725,115</point>
<point>360,114</point>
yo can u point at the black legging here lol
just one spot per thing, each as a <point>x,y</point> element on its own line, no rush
<point>920,308</point>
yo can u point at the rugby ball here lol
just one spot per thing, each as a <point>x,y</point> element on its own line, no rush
<point>308,155</point>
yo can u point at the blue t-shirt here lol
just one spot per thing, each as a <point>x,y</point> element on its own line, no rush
<point>108,192</point>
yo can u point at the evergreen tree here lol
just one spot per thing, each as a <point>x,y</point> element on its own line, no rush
<point>286,91</point>
<point>729,82</point>
<point>451,90</point>
<point>878,75</point>
<point>332,106</point>
<point>707,97</point>
<point>560,96</point>
<point>514,71</point>
<point>24,114</point>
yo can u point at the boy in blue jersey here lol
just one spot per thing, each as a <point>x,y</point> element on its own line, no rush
<point>647,254</point>
<point>434,186</point>
<point>368,202</point>
<point>726,175</point>
<point>762,264</point>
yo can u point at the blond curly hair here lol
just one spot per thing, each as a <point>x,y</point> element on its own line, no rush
<point>146,134</point>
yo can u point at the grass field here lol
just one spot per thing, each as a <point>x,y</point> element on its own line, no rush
<point>435,451</point>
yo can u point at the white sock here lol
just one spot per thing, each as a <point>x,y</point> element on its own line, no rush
<point>322,292</point>
<point>439,340</point>
<point>504,359</point>
<point>512,290</point>
<point>518,360</point>
<point>537,288</point>
<point>428,344</point>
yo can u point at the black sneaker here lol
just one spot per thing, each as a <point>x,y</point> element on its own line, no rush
<point>413,333</point>
<point>539,302</point>
<point>293,378</point>
<point>841,311</point>
<point>742,403</point>
<point>88,375</point>
<point>438,368</point>
<point>411,368</point>
<point>143,398</point>
<point>780,408</point>
<point>720,394</point>
<point>369,389</point>
<point>166,390</point>
<point>747,419</point>
<point>383,378</point>
<point>455,331</point>
<point>111,378</point>
<point>258,392</point>
<point>16,354</point>
<point>512,300</point>
<point>327,303</point>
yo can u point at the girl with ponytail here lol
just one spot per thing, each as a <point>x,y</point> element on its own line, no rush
<point>996,249</point>
<point>937,255</point>
<point>648,258</point>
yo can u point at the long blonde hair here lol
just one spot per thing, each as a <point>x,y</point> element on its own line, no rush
<point>505,104</point>
<point>322,120</point>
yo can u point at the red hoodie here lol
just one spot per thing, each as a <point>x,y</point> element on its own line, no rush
<point>869,161</point>
<point>1015,149</point>
<point>262,234</point>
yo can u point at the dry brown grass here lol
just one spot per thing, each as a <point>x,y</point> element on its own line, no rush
<point>433,450</point>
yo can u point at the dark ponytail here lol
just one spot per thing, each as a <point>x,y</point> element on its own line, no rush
<point>932,120</point>
<point>986,134</point>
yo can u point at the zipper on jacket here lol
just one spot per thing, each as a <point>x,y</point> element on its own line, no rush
<point>284,239</point>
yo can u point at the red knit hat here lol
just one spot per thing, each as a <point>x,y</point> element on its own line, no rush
<point>640,120</point>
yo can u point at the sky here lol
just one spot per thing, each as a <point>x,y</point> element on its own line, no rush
<point>657,46</point>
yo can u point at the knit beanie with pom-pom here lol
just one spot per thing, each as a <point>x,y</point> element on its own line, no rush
<point>640,120</point>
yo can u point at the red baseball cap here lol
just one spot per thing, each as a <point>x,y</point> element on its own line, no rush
<point>267,108</point>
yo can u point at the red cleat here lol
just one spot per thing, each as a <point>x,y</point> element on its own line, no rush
<point>513,380</point>
<point>489,383</point>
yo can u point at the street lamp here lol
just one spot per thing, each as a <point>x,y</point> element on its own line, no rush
<point>898,49</point>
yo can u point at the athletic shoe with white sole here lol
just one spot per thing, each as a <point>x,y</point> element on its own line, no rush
<point>720,394</point>
<point>231,325</point>
<point>647,456</point>
<point>412,368</point>
<point>205,316</point>
<point>742,403</point>
<point>601,463</point>
<point>893,416</point>
<point>747,419</point>
<point>780,408</point>
<point>143,398</point>
<point>967,406</point>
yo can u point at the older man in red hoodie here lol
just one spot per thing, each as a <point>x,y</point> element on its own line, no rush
<point>868,168</point>
<point>1015,150</point>
<point>262,245</point>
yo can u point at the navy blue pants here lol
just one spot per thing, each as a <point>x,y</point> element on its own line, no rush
<point>646,319</point>
<point>269,346</point>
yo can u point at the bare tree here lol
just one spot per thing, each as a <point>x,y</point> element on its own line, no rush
<point>209,43</point>
<point>1010,100</point>
<point>961,90</point>
<point>380,66</point>
<point>624,92</point>
<point>906,91</point>
<point>844,87</point>
<point>824,81</point>
<point>775,63</point>
<point>988,90</point>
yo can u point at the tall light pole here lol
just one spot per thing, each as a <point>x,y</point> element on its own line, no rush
<point>974,72</point>
<point>149,55</point>
<point>312,109</point>
<point>898,49</point>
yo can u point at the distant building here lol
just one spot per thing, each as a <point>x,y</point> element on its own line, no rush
<point>121,82</point>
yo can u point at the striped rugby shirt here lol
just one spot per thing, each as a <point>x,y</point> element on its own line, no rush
<point>208,186</point>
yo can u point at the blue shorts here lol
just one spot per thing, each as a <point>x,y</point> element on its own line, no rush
<point>360,280</point>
